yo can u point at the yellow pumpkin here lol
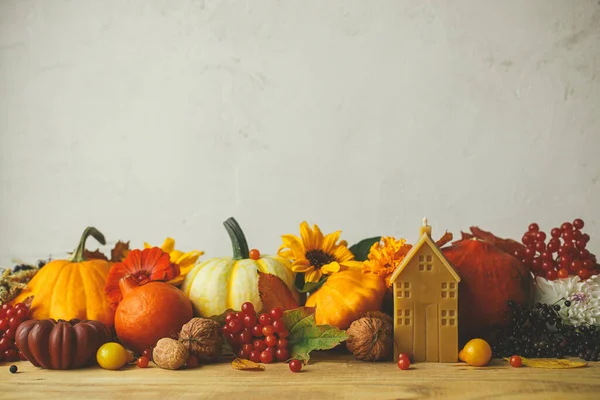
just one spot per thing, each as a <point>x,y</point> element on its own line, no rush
<point>225,283</point>
<point>67,289</point>
<point>345,296</point>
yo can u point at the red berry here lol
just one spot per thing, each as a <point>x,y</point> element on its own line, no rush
<point>536,264</point>
<point>540,236</point>
<point>534,227</point>
<point>277,313</point>
<point>6,306</point>
<point>529,253</point>
<point>257,331</point>
<point>271,341</point>
<point>403,363</point>
<point>254,356</point>
<point>22,314</point>
<point>283,334</point>
<point>567,235</point>
<point>234,326</point>
<point>578,223</point>
<point>279,325</point>
<point>259,345</point>
<point>266,357</point>
<point>14,323</point>
<point>268,330</point>
<point>555,232</point>
<point>10,333</point>
<point>588,264</point>
<point>192,362</point>
<point>248,347</point>
<point>11,312</point>
<point>585,237</point>
<point>147,353</point>
<point>516,361</point>
<point>567,226</point>
<point>271,350</point>
<point>547,266</point>
<point>142,362</point>
<point>526,239</point>
<point>584,254</point>
<point>295,366</point>
<point>5,343</point>
<point>264,319</point>
<point>243,354</point>
<point>248,308</point>
<point>404,355</point>
<point>10,355</point>
<point>282,343</point>
<point>563,273</point>
<point>3,324</point>
<point>282,354</point>
<point>22,356</point>
<point>583,274</point>
<point>580,244</point>
<point>551,275</point>
<point>245,337</point>
<point>249,320</point>
<point>230,317</point>
<point>254,254</point>
<point>20,306</point>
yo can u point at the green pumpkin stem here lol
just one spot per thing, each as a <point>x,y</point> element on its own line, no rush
<point>238,240</point>
<point>89,231</point>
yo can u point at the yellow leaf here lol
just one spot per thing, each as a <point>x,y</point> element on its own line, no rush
<point>550,363</point>
<point>246,365</point>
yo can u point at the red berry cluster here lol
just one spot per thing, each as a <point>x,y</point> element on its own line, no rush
<point>261,339</point>
<point>10,319</point>
<point>565,253</point>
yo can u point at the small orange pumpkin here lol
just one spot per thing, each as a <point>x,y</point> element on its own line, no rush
<point>150,312</point>
<point>345,296</point>
<point>71,289</point>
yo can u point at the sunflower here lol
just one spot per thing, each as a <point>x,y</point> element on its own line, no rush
<point>385,256</point>
<point>316,255</point>
<point>185,261</point>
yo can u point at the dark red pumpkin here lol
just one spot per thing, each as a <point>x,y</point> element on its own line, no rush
<point>490,278</point>
<point>61,345</point>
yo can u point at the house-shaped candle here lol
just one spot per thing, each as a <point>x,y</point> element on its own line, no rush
<point>426,303</point>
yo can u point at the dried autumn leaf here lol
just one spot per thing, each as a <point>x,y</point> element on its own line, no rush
<point>94,255</point>
<point>305,335</point>
<point>274,293</point>
<point>242,364</point>
<point>119,252</point>
<point>446,238</point>
<point>507,245</point>
<point>551,363</point>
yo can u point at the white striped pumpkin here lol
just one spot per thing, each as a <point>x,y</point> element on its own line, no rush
<point>225,283</point>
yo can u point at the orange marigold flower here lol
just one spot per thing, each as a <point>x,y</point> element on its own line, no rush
<point>144,266</point>
<point>385,256</point>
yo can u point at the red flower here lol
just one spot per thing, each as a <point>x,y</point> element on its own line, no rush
<point>144,266</point>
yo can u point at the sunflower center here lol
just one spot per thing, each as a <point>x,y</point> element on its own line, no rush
<point>318,258</point>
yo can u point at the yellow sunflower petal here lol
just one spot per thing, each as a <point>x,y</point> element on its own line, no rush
<point>352,264</point>
<point>302,268</point>
<point>188,258</point>
<point>313,275</point>
<point>295,244</point>
<point>330,241</point>
<point>342,254</point>
<point>330,268</point>
<point>307,236</point>
<point>343,243</point>
<point>168,245</point>
<point>318,237</point>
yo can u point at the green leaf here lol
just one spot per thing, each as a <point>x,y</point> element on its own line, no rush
<point>306,336</point>
<point>304,287</point>
<point>221,317</point>
<point>362,248</point>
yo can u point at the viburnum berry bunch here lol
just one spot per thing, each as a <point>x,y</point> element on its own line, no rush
<point>562,255</point>
<point>261,338</point>
<point>10,319</point>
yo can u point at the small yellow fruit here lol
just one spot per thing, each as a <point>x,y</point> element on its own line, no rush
<point>111,356</point>
<point>477,352</point>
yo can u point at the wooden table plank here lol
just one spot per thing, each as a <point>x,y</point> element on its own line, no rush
<point>327,376</point>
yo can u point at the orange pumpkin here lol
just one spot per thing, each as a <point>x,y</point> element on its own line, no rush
<point>71,289</point>
<point>345,296</point>
<point>149,312</point>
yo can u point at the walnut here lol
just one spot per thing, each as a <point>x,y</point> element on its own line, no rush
<point>371,337</point>
<point>170,354</point>
<point>202,337</point>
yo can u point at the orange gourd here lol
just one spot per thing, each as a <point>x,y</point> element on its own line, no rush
<point>149,312</point>
<point>71,289</point>
<point>345,296</point>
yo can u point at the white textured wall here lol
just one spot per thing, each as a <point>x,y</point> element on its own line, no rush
<point>154,118</point>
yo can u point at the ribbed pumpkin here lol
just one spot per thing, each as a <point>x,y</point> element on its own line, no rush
<point>226,283</point>
<point>61,345</point>
<point>69,289</point>
<point>345,296</point>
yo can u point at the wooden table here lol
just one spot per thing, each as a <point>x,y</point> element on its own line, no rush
<point>327,376</point>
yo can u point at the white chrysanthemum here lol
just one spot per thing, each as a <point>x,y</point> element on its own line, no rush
<point>584,297</point>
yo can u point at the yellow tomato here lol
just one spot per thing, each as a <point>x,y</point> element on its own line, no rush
<point>477,352</point>
<point>111,356</point>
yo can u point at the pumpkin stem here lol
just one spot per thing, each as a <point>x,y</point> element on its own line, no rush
<point>89,231</point>
<point>127,284</point>
<point>238,240</point>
